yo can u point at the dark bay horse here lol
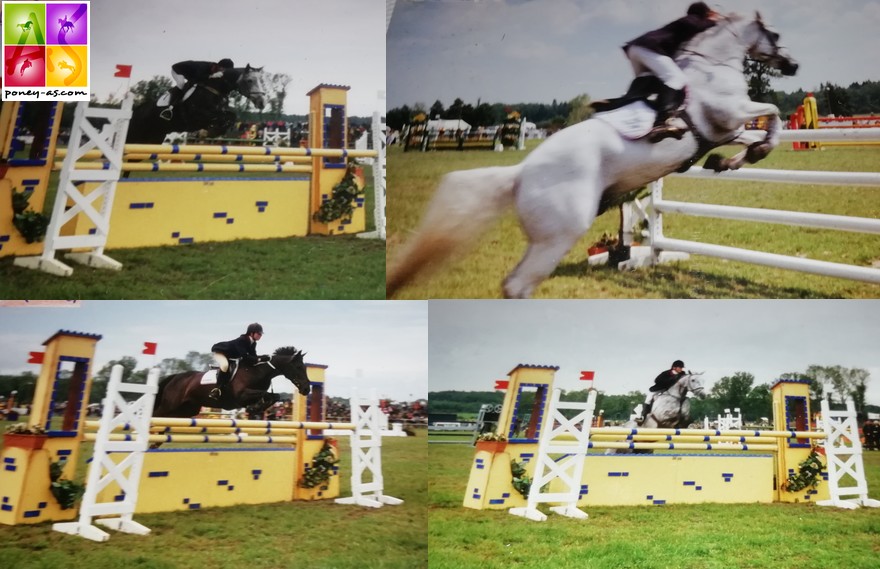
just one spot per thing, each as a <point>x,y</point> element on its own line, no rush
<point>206,109</point>
<point>183,395</point>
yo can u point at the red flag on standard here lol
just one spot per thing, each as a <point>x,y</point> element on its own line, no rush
<point>501,384</point>
<point>36,357</point>
<point>587,375</point>
<point>150,348</point>
<point>122,71</point>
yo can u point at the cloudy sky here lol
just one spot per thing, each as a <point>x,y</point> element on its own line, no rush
<point>313,41</point>
<point>628,342</point>
<point>539,50</point>
<point>378,344</point>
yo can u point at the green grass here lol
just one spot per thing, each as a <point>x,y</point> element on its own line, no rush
<point>314,267</point>
<point>414,176</point>
<point>273,536</point>
<point>759,536</point>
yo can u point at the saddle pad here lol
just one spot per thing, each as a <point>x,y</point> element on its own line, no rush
<point>210,378</point>
<point>632,121</point>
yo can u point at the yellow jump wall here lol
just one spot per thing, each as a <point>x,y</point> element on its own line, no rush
<point>173,211</point>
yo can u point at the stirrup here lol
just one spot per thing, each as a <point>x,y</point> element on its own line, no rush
<point>664,131</point>
<point>215,394</point>
<point>167,113</point>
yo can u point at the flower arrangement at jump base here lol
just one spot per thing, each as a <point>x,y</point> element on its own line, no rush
<point>322,466</point>
<point>520,480</point>
<point>341,202</point>
<point>31,224</point>
<point>807,475</point>
<point>65,491</point>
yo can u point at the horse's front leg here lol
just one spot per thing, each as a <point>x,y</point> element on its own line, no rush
<point>758,143</point>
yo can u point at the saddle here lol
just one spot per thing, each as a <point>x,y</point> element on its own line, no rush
<point>633,115</point>
<point>643,88</point>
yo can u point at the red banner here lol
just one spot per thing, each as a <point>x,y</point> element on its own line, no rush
<point>122,71</point>
<point>587,375</point>
<point>36,357</point>
<point>150,348</point>
<point>501,384</point>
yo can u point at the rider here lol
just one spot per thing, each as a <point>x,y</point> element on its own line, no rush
<point>188,73</point>
<point>227,355</point>
<point>662,382</point>
<point>654,51</point>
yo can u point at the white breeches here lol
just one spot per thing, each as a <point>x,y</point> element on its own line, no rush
<point>660,65</point>
<point>178,78</point>
<point>222,361</point>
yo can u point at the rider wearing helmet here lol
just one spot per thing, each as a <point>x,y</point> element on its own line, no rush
<point>188,73</point>
<point>228,354</point>
<point>662,382</point>
<point>654,51</point>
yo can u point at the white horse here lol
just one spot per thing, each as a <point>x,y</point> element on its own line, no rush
<point>670,409</point>
<point>560,188</point>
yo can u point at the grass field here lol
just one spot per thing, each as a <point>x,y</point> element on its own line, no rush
<point>314,267</point>
<point>707,536</point>
<point>413,177</point>
<point>318,535</point>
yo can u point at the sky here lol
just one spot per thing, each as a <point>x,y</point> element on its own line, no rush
<point>366,344</point>
<point>515,51</point>
<point>340,42</point>
<point>627,343</point>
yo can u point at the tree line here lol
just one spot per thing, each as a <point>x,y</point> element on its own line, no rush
<point>834,383</point>
<point>857,99</point>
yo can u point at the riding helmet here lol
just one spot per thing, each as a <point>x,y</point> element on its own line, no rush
<point>700,9</point>
<point>254,328</point>
<point>678,363</point>
<point>226,63</point>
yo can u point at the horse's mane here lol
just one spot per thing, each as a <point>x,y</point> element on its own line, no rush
<point>286,351</point>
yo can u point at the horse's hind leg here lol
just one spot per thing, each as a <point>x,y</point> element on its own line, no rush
<point>553,225</point>
<point>537,264</point>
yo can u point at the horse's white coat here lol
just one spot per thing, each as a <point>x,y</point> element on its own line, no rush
<point>557,189</point>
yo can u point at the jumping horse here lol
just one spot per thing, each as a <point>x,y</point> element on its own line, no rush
<point>184,395</point>
<point>205,109</point>
<point>579,172</point>
<point>670,409</point>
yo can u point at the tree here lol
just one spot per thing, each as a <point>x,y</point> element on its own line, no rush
<point>436,110</point>
<point>276,85</point>
<point>580,110</point>
<point>835,100</point>
<point>150,91</point>
<point>758,77</point>
<point>733,391</point>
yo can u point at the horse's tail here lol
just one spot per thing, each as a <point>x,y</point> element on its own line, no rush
<point>465,204</point>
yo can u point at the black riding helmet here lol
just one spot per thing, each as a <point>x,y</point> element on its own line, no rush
<point>226,63</point>
<point>678,363</point>
<point>254,328</point>
<point>700,9</point>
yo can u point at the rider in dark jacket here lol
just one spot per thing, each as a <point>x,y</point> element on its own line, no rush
<point>662,382</point>
<point>654,52</point>
<point>228,354</point>
<point>188,73</point>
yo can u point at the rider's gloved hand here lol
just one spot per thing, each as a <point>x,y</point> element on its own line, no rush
<point>216,75</point>
<point>263,359</point>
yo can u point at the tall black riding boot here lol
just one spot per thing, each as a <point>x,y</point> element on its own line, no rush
<point>223,378</point>
<point>668,102</point>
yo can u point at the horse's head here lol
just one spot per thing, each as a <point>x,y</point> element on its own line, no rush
<point>252,84</point>
<point>763,46</point>
<point>289,361</point>
<point>693,382</point>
